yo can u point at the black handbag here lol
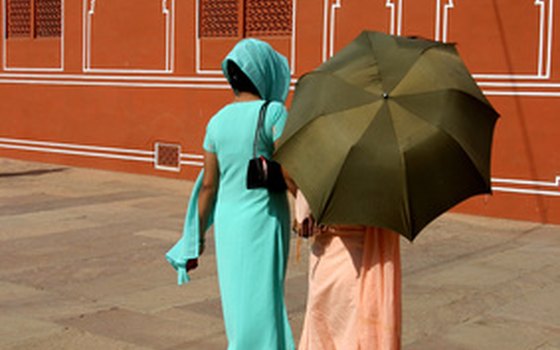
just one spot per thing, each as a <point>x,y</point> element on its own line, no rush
<point>263,172</point>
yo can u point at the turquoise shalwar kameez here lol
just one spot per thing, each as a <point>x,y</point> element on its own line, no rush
<point>251,226</point>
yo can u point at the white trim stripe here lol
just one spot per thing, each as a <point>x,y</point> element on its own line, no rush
<point>114,77</point>
<point>76,153</point>
<point>535,190</point>
<point>555,183</point>
<point>334,8</point>
<point>93,151</point>
<point>220,84</point>
<point>191,159</point>
<point>188,162</point>
<point>116,83</point>
<point>75,146</point>
<point>522,93</point>
<point>192,156</point>
<point>526,191</point>
<point>396,16</point>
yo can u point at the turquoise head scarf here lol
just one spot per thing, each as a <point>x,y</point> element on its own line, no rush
<point>267,69</point>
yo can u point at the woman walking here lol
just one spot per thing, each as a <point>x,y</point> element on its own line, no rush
<point>354,298</point>
<point>251,225</point>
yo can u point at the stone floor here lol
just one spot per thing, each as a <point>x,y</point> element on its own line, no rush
<point>82,267</point>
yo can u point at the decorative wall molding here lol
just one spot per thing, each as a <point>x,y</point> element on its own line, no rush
<point>167,10</point>
<point>7,68</point>
<point>115,153</point>
<point>330,9</point>
<point>533,187</point>
<point>442,19</point>
<point>499,85</point>
<point>545,40</point>
<point>519,186</point>
<point>396,7</point>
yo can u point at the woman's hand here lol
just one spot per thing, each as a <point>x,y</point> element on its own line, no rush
<point>306,228</point>
<point>191,264</point>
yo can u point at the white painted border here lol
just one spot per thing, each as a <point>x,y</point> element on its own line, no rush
<point>179,85</point>
<point>396,16</point>
<point>198,58</point>
<point>93,151</point>
<point>76,153</point>
<point>441,29</point>
<point>533,191</point>
<point>75,146</point>
<point>522,93</point>
<point>544,50</point>
<point>89,12</point>
<point>541,89</point>
<point>192,159</point>
<point>334,7</point>
<point>329,22</point>
<point>31,69</point>
<point>113,77</point>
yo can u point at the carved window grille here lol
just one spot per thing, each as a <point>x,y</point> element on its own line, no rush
<point>245,18</point>
<point>219,18</point>
<point>167,156</point>
<point>33,18</point>
<point>268,17</point>
<point>47,18</point>
<point>18,13</point>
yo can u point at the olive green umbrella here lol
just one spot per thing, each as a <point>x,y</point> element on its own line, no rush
<point>390,132</point>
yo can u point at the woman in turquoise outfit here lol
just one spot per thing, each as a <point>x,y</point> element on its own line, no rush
<point>251,226</point>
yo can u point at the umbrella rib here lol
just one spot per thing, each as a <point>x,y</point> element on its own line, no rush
<point>422,52</point>
<point>403,172</point>
<point>331,190</point>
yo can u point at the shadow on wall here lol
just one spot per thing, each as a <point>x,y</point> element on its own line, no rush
<point>522,120</point>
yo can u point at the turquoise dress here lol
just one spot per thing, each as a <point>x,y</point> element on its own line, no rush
<point>251,226</point>
<point>251,231</point>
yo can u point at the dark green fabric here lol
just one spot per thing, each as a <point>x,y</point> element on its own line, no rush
<point>389,132</point>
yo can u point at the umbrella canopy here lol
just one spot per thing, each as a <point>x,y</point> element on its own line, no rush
<point>389,132</point>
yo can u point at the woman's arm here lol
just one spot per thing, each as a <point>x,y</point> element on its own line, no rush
<point>292,187</point>
<point>207,195</point>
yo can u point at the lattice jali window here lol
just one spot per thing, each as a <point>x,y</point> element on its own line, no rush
<point>18,13</point>
<point>219,18</point>
<point>33,18</point>
<point>167,156</point>
<point>268,17</point>
<point>47,18</point>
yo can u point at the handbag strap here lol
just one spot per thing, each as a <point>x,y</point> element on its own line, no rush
<point>260,124</point>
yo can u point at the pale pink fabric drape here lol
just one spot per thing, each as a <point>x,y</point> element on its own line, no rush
<point>354,299</point>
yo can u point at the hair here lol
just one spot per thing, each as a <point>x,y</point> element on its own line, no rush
<point>239,81</point>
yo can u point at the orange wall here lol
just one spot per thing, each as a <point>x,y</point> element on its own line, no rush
<point>126,74</point>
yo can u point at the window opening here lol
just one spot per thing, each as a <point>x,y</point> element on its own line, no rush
<point>33,18</point>
<point>245,18</point>
<point>219,18</point>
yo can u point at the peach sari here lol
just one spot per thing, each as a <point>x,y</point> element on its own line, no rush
<point>354,299</point>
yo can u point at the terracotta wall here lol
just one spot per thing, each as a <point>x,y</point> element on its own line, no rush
<point>126,74</point>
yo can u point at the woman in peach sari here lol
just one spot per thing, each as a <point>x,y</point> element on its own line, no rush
<point>354,298</point>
